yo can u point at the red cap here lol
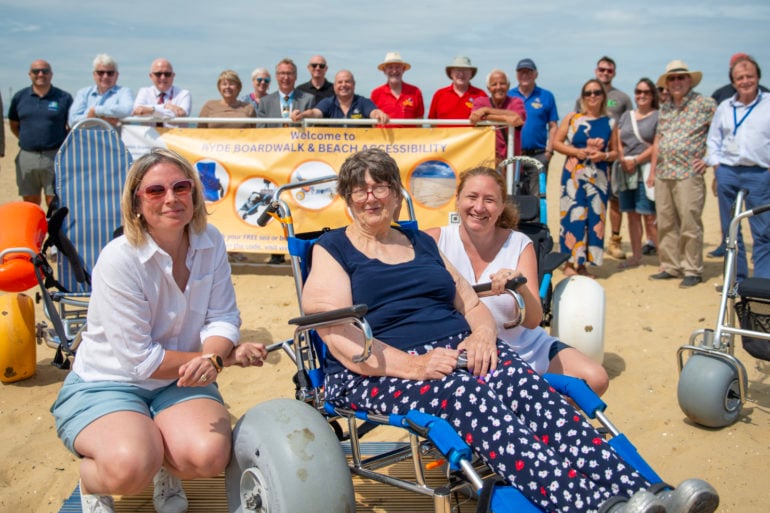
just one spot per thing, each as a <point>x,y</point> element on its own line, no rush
<point>737,56</point>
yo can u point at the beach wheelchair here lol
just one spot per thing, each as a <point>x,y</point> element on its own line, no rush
<point>289,455</point>
<point>713,383</point>
<point>564,304</point>
<point>91,167</point>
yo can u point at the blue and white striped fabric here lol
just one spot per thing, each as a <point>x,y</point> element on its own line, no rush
<point>91,169</point>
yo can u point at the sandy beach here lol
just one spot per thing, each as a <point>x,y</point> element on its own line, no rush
<point>645,324</point>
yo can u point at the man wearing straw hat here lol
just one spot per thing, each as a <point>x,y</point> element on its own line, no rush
<point>677,170</point>
<point>395,97</point>
<point>456,100</point>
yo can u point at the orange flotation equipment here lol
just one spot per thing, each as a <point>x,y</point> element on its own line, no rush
<point>22,225</point>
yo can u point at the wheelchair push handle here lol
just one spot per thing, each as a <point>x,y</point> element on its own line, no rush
<point>512,284</point>
<point>265,216</point>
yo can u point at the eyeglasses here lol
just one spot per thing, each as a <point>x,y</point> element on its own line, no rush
<point>39,71</point>
<point>642,91</point>
<point>662,90</point>
<point>675,78</point>
<point>260,80</point>
<point>158,191</point>
<point>378,191</point>
<point>605,70</point>
<point>159,74</point>
<point>320,65</point>
<point>593,92</point>
<point>102,72</point>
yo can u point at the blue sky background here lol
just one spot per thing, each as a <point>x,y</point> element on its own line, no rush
<point>565,39</point>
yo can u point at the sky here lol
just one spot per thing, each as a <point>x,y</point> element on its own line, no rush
<point>564,38</point>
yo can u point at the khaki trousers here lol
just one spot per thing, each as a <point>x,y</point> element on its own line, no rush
<point>679,207</point>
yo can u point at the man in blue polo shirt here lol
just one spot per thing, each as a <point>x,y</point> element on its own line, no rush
<point>540,125</point>
<point>346,104</point>
<point>38,117</point>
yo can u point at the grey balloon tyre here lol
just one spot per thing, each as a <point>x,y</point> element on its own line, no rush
<point>708,391</point>
<point>286,458</point>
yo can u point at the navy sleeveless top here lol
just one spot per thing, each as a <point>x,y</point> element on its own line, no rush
<point>411,303</point>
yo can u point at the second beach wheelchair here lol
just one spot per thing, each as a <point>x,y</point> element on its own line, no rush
<point>290,455</point>
<point>713,382</point>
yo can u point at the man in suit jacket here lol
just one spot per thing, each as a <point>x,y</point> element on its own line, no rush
<point>287,102</point>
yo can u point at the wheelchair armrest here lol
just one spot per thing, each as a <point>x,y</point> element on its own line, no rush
<point>353,314</point>
<point>357,311</point>
<point>484,290</point>
<point>579,391</point>
<point>553,261</point>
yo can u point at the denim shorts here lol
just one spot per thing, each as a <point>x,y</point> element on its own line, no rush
<point>81,402</point>
<point>636,200</point>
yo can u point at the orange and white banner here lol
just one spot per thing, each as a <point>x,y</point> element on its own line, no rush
<point>240,168</point>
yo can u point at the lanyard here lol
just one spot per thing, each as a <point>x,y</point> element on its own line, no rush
<point>735,114</point>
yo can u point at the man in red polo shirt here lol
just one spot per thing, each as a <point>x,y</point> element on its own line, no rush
<point>395,97</point>
<point>456,100</point>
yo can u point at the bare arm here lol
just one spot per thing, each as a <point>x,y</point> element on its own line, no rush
<point>345,341</point>
<point>559,143</point>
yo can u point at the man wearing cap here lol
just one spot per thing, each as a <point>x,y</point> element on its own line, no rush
<point>162,100</point>
<point>739,148</point>
<point>395,97</point>
<point>38,117</point>
<point>723,93</point>
<point>677,169</point>
<point>456,100</point>
<point>540,125</point>
<point>317,86</point>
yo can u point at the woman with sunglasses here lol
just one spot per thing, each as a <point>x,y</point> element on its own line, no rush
<point>636,133</point>
<point>587,139</point>
<point>141,403</point>
<point>229,106</point>
<point>260,79</point>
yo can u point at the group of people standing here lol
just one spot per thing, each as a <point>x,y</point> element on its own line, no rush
<point>649,162</point>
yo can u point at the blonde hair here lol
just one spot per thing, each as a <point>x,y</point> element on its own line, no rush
<point>230,76</point>
<point>135,226</point>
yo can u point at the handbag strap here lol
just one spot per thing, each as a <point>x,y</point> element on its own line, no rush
<point>635,127</point>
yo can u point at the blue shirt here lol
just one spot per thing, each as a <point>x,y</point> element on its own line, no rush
<point>361,108</point>
<point>42,120</point>
<point>117,102</point>
<point>541,110</point>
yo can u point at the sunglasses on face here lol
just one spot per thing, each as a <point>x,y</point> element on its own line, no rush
<point>40,71</point>
<point>593,92</point>
<point>317,65</point>
<point>158,191</point>
<point>642,91</point>
<point>676,78</point>
<point>102,72</point>
<point>159,74</point>
<point>605,70</point>
<point>260,80</point>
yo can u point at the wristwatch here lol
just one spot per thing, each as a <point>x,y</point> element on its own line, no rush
<point>215,360</point>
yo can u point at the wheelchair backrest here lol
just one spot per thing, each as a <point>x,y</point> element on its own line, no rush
<point>91,168</point>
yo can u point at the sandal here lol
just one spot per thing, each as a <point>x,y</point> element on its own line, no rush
<point>629,264</point>
<point>582,271</point>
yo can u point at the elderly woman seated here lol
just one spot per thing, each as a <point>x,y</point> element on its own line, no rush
<point>424,315</point>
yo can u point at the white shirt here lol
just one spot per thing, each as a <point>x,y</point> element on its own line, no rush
<point>148,97</point>
<point>749,145</point>
<point>532,345</point>
<point>137,311</point>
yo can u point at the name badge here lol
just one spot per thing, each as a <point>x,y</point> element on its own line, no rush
<point>730,146</point>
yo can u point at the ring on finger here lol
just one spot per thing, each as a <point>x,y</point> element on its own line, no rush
<point>204,378</point>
